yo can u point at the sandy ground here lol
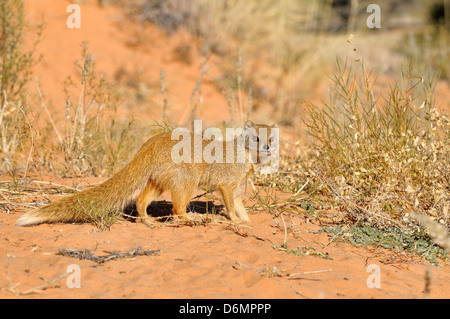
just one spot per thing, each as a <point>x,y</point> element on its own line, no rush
<point>214,260</point>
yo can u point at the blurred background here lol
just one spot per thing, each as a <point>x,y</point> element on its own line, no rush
<point>363,112</point>
<point>133,63</point>
<point>278,54</point>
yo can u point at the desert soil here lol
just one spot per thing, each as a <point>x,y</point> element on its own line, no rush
<point>214,260</point>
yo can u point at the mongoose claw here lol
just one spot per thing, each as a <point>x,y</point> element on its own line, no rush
<point>150,223</point>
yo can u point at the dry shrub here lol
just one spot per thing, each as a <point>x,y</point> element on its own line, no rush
<point>288,45</point>
<point>279,41</point>
<point>15,130</point>
<point>16,64</point>
<point>92,140</point>
<point>168,15</point>
<point>383,156</point>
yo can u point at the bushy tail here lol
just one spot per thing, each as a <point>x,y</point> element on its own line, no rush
<point>112,195</point>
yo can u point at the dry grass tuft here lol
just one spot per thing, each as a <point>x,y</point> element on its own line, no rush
<point>381,156</point>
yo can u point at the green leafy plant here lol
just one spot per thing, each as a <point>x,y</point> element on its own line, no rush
<point>392,238</point>
<point>100,218</point>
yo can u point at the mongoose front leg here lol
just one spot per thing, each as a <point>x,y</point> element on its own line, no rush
<point>228,200</point>
<point>241,212</point>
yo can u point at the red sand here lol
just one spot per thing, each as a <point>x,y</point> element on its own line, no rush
<point>213,261</point>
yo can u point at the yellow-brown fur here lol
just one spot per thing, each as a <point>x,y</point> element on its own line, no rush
<point>146,176</point>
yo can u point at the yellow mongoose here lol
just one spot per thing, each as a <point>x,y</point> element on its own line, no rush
<point>154,170</point>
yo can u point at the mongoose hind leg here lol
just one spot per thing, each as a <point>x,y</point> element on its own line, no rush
<point>149,193</point>
<point>180,200</point>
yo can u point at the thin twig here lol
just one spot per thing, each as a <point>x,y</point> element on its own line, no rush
<point>231,223</point>
<point>54,184</point>
<point>301,188</point>
<point>32,140</point>
<point>308,272</point>
<point>12,287</point>
<point>47,111</point>
<point>335,236</point>
<point>285,230</point>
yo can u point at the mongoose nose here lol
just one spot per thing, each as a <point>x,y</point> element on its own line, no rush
<point>266,147</point>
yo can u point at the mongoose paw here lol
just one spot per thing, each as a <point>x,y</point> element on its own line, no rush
<point>150,223</point>
<point>235,219</point>
<point>182,217</point>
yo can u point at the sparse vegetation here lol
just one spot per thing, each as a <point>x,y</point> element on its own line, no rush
<point>93,139</point>
<point>15,72</point>
<point>381,156</point>
<point>16,63</point>
<point>375,154</point>
<point>391,238</point>
<point>100,218</point>
<point>376,157</point>
<point>364,165</point>
<point>296,41</point>
<point>304,251</point>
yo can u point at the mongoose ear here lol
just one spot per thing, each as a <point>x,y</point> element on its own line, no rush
<point>249,124</point>
<point>274,125</point>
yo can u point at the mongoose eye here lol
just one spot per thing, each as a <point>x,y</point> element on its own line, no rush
<point>255,139</point>
<point>272,139</point>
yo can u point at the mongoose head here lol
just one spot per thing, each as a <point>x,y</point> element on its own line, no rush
<point>261,140</point>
